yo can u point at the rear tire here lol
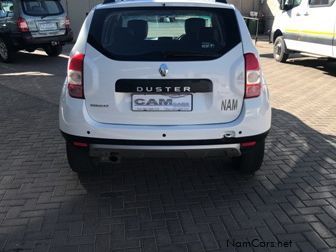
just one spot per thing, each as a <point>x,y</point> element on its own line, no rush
<point>251,159</point>
<point>280,53</point>
<point>79,158</point>
<point>7,53</point>
<point>53,51</point>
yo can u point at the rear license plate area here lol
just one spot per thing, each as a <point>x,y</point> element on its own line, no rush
<point>162,102</point>
<point>48,26</point>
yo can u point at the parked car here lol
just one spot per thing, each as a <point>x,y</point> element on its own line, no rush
<point>32,24</point>
<point>137,87</point>
<point>307,26</point>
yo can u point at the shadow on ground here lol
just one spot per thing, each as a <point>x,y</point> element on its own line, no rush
<point>322,64</point>
<point>35,75</point>
<point>34,62</point>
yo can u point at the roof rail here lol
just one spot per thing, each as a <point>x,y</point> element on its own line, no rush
<point>113,1</point>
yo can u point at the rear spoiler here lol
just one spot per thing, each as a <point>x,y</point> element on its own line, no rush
<point>113,1</point>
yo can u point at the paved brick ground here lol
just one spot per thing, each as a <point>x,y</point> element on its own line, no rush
<point>170,205</point>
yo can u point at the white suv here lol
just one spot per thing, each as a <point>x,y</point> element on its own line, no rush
<point>173,78</point>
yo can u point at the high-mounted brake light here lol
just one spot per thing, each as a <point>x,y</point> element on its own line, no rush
<point>75,76</point>
<point>253,76</point>
<point>22,25</point>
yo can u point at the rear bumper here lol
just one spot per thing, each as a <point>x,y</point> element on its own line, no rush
<point>105,149</point>
<point>166,145</point>
<point>23,40</point>
<point>116,152</point>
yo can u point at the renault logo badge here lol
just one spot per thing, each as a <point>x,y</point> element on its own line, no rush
<point>163,70</point>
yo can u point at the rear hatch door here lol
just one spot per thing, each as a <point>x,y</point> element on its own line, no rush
<point>44,17</point>
<point>164,66</point>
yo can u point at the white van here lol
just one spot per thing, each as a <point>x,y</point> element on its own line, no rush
<point>307,26</point>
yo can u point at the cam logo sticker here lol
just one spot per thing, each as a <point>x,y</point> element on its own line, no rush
<point>229,105</point>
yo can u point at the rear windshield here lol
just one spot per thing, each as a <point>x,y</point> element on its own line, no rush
<point>42,7</point>
<point>164,33</point>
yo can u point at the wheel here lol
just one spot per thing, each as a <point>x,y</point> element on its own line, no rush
<point>79,158</point>
<point>6,51</point>
<point>53,51</point>
<point>280,53</point>
<point>251,159</point>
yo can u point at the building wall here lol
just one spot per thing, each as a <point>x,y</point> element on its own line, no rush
<point>77,10</point>
<point>270,10</point>
<point>245,6</point>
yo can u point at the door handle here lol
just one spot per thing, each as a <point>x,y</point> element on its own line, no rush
<point>298,14</point>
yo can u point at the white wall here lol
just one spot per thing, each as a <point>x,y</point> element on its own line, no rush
<point>245,6</point>
<point>269,9</point>
<point>77,10</point>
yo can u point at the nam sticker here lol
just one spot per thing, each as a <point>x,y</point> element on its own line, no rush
<point>229,105</point>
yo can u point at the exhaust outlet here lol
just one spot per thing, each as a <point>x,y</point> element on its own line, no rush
<point>114,158</point>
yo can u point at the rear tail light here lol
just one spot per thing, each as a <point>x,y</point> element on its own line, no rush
<point>67,23</point>
<point>253,76</point>
<point>22,25</point>
<point>75,76</point>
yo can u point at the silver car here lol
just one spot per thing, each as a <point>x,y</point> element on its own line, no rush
<point>31,24</point>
